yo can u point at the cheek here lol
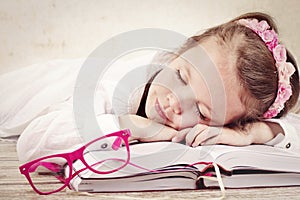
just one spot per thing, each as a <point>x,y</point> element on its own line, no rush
<point>187,120</point>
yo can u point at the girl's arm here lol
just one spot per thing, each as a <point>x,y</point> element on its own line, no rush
<point>146,130</point>
<point>252,133</point>
<point>281,133</point>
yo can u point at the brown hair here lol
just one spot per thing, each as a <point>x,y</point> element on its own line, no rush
<point>255,65</point>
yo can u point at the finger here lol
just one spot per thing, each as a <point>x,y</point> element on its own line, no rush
<point>211,141</point>
<point>200,138</point>
<point>194,132</point>
<point>210,135</point>
<point>180,136</point>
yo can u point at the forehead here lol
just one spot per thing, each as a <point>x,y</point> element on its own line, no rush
<point>212,73</point>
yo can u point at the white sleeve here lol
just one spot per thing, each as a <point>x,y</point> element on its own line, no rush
<point>29,92</point>
<point>290,138</point>
<point>56,132</point>
<point>51,133</point>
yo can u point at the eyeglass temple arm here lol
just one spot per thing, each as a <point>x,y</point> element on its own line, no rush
<point>54,167</point>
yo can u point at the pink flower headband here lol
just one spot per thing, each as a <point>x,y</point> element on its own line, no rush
<point>285,69</point>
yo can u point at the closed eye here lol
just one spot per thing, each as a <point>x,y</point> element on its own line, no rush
<point>179,76</point>
<point>199,113</point>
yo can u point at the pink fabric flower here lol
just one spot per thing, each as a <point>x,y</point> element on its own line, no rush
<point>271,45</point>
<point>283,94</point>
<point>270,113</point>
<point>253,24</point>
<point>285,71</point>
<point>244,22</point>
<point>268,35</point>
<point>262,26</point>
<point>279,53</point>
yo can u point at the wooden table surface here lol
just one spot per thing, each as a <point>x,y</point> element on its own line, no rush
<point>14,186</point>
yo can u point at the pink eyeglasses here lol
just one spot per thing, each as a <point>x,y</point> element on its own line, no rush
<point>96,156</point>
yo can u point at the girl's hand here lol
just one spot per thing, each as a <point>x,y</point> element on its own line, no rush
<point>205,135</point>
<point>258,133</point>
<point>146,130</point>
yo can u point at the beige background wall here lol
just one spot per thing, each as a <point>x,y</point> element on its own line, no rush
<point>34,31</point>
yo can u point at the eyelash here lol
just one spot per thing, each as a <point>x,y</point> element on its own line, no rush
<point>180,77</point>
<point>199,113</point>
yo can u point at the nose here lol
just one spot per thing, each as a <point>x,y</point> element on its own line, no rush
<point>174,103</point>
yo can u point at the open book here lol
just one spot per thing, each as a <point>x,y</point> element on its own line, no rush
<point>167,166</point>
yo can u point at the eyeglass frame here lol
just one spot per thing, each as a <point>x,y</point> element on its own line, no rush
<point>78,154</point>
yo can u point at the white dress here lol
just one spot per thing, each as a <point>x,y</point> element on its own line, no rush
<point>37,106</point>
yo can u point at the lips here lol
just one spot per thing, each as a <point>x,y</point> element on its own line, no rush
<point>160,111</point>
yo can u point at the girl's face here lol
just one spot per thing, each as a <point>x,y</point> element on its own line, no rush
<point>180,97</point>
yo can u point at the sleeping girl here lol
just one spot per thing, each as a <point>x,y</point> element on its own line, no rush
<point>178,102</point>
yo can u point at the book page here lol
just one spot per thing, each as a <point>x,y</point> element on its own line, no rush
<point>146,157</point>
<point>259,157</point>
